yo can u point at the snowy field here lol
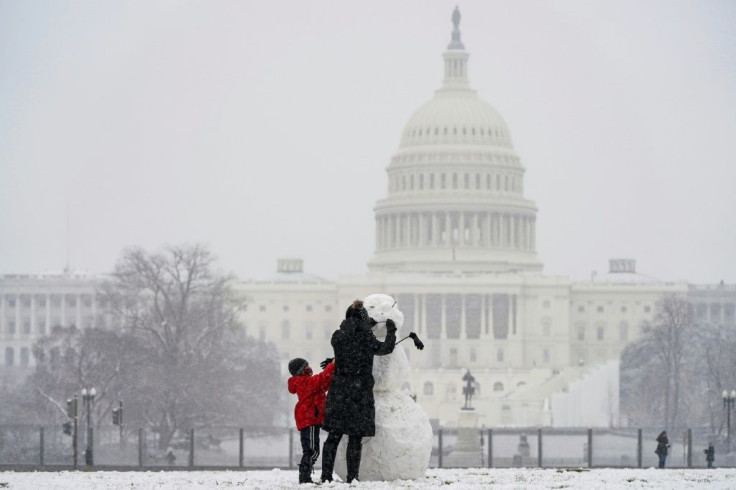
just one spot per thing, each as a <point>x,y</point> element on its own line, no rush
<point>518,478</point>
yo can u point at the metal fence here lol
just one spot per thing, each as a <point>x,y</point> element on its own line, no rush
<point>33,447</point>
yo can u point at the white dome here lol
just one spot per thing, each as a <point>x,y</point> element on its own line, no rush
<point>456,116</point>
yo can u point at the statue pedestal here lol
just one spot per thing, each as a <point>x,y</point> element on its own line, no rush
<point>467,452</point>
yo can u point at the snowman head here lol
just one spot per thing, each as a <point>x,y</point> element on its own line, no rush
<point>381,307</point>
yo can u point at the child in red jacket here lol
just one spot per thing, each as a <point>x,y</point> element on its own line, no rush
<point>309,411</point>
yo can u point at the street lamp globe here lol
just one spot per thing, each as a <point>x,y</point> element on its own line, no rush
<point>93,392</point>
<point>84,392</point>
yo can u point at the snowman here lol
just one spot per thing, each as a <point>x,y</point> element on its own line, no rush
<point>402,446</point>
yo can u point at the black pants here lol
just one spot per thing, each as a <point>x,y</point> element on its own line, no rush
<point>355,446</point>
<point>310,450</point>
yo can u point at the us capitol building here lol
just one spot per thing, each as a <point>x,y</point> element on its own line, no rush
<point>455,245</point>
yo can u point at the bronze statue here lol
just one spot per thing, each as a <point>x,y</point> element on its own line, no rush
<point>468,390</point>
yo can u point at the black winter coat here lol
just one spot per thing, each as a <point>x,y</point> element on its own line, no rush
<point>350,407</point>
<point>662,444</point>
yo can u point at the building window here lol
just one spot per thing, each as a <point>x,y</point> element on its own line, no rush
<point>431,181</point>
<point>262,333</point>
<point>454,181</point>
<point>467,181</point>
<point>285,308</point>
<point>647,309</point>
<point>600,309</point>
<point>477,181</point>
<point>499,355</point>
<point>473,355</point>
<point>624,332</point>
<point>545,303</point>
<point>285,329</point>
<point>442,181</point>
<point>11,302</point>
<point>453,356</point>
<point>9,356</point>
<point>24,357</point>
<point>41,326</point>
<point>26,327</point>
<point>546,329</point>
<point>261,307</point>
<point>601,333</point>
<point>581,309</point>
<point>428,386</point>
<point>497,386</point>
<point>581,333</point>
<point>624,309</point>
<point>309,307</point>
<point>11,327</point>
<point>308,333</point>
<point>71,301</point>
<point>545,356</point>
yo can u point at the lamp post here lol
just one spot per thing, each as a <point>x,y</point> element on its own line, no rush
<point>729,400</point>
<point>88,396</point>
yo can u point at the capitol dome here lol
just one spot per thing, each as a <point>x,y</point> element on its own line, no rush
<point>455,187</point>
<point>456,117</point>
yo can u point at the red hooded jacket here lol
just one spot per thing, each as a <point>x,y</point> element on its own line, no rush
<point>310,391</point>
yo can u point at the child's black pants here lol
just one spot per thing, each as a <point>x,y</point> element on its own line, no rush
<point>310,450</point>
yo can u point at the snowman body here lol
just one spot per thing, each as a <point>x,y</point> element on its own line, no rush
<point>402,446</point>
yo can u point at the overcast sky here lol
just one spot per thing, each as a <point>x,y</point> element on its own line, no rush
<point>263,129</point>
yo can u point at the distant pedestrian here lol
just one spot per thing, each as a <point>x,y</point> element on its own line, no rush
<point>309,411</point>
<point>710,455</point>
<point>662,445</point>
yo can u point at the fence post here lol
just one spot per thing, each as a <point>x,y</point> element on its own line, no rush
<point>291,448</point>
<point>240,457</point>
<point>689,448</point>
<point>490,448</point>
<point>191,447</point>
<point>539,447</point>
<point>140,447</point>
<point>40,441</point>
<point>439,443</point>
<point>590,448</point>
<point>90,456</point>
<point>638,448</point>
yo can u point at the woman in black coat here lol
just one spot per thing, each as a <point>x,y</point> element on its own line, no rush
<point>350,407</point>
<point>662,444</point>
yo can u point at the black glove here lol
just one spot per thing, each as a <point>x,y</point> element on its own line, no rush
<point>417,343</point>
<point>390,326</point>
<point>324,363</point>
<point>372,322</point>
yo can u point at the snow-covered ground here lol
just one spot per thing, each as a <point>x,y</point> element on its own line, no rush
<point>518,478</point>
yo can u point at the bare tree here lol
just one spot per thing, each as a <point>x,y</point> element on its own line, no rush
<point>658,364</point>
<point>185,316</point>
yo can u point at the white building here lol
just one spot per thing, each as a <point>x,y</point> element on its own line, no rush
<point>455,245</point>
<point>31,305</point>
